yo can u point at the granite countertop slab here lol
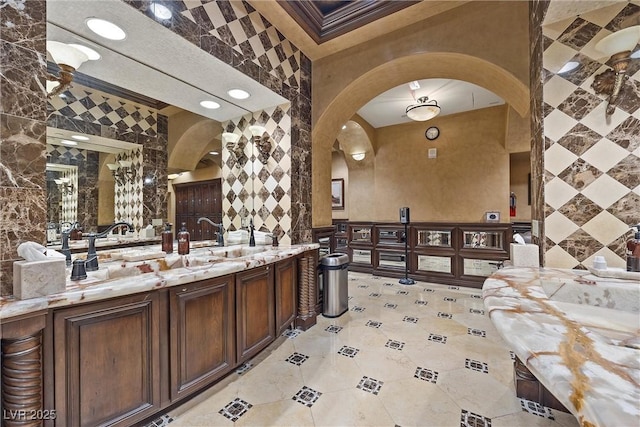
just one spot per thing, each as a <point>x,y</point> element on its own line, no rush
<point>116,277</point>
<point>578,333</point>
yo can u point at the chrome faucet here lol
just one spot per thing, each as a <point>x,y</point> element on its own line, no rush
<point>220,229</point>
<point>92,256</point>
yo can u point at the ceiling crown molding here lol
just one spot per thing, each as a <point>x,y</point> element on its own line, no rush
<point>325,20</point>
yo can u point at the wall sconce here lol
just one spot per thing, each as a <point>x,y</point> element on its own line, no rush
<point>64,185</point>
<point>358,156</point>
<point>262,143</point>
<point>618,46</point>
<point>122,172</point>
<point>236,147</point>
<point>68,58</point>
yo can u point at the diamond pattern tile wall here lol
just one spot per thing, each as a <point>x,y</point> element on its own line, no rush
<point>254,189</point>
<point>93,106</point>
<point>592,165</point>
<point>239,25</point>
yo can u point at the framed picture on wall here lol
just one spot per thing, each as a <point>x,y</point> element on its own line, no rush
<point>337,194</point>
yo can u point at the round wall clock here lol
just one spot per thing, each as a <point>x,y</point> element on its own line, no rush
<point>432,133</point>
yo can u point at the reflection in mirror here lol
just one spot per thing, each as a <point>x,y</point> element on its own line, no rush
<point>80,159</point>
<point>159,72</point>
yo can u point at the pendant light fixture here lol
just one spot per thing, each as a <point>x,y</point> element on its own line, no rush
<point>423,110</point>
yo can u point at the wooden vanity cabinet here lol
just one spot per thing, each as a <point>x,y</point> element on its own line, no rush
<point>255,311</point>
<point>107,361</point>
<point>286,285</point>
<point>201,333</point>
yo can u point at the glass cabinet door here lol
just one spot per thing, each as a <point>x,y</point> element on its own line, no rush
<point>434,238</point>
<point>361,234</point>
<point>429,263</point>
<point>482,239</point>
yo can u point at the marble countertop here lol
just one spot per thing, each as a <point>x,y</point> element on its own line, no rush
<point>116,277</point>
<point>578,333</point>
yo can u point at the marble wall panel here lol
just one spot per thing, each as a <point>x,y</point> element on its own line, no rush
<point>22,130</point>
<point>599,159</point>
<point>22,81</point>
<point>537,10</point>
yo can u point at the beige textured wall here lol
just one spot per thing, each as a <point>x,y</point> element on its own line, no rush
<point>469,177</point>
<point>519,183</point>
<point>480,42</point>
<point>193,134</point>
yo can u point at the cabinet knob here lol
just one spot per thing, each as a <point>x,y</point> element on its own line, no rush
<point>268,268</point>
<point>184,289</point>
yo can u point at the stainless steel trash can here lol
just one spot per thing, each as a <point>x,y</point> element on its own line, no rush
<point>335,285</point>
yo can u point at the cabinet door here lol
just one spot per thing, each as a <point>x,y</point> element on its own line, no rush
<point>107,362</point>
<point>202,327</point>
<point>286,299</point>
<point>255,311</point>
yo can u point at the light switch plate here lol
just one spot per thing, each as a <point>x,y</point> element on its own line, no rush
<point>535,228</point>
<point>433,153</point>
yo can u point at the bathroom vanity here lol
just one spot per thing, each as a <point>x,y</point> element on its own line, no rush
<point>576,337</point>
<point>135,337</point>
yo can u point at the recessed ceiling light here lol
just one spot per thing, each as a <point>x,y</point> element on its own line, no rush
<point>106,29</point>
<point>569,66</point>
<point>80,137</point>
<point>92,54</point>
<point>67,142</point>
<point>160,11</point>
<point>238,94</point>
<point>210,104</point>
<point>213,153</point>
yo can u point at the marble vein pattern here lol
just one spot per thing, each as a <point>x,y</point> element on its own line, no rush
<point>117,278</point>
<point>578,333</point>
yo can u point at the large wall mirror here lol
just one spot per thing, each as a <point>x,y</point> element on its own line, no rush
<point>166,78</point>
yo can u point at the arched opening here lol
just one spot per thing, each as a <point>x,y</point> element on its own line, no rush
<point>393,73</point>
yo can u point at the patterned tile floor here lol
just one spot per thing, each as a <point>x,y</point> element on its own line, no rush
<point>418,355</point>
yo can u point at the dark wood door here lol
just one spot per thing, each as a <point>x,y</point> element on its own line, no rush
<point>196,200</point>
<point>202,334</point>
<point>107,361</point>
<point>286,283</point>
<point>255,311</point>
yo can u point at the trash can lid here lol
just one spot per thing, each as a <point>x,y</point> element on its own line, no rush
<point>335,259</point>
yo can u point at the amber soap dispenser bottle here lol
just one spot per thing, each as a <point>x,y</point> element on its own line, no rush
<point>167,239</point>
<point>183,240</point>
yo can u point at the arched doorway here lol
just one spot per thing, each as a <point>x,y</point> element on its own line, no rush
<point>390,74</point>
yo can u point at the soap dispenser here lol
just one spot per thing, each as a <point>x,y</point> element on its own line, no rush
<point>167,239</point>
<point>183,240</point>
<point>633,247</point>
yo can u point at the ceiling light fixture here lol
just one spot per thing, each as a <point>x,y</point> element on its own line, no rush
<point>68,59</point>
<point>160,11</point>
<point>80,137</point>
<point>344,127</point>
<point>423,110</point>
<point>358,156</point>
<point>618,47</point>
<point>213,153</point>
<point>67,142</point>
<point>211,105</point>
<point>91,54</point>
<point>238,94</point>
<point>106,29</point>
